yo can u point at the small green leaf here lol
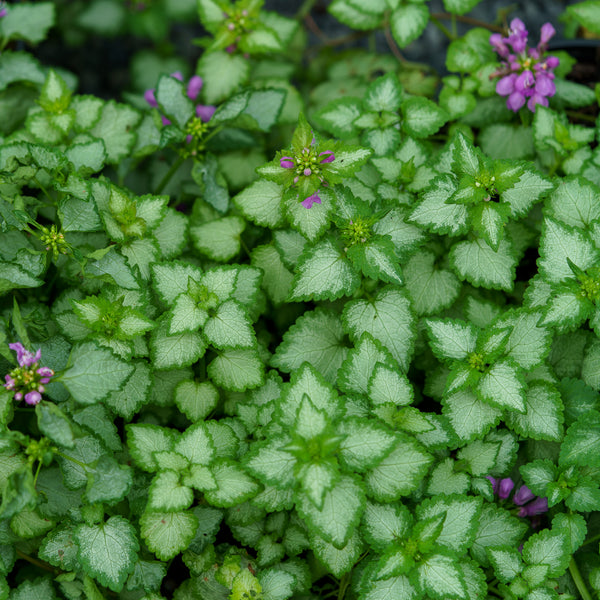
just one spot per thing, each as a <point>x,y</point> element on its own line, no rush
<point>93,373</point>
<point>28,22</point>
<point>175,350</point>
<point>440,575</point>
<point>230,327</point>
<point>451,339</point>
<point>222,73</point>
<point>196,400</point>
<point>582,441</point>
<point>469,416</point>
<point>387,318</point>
<point>237,369</point>
<point>168,533</point>
<point>109,482</point>
<point>408,22</point>
<point>422,117</point>
<point>551,548</point>
<point>108,551</point>
<point>324,273</point>
<point>167,494</point>
<point>502,386</point>
<point>234,486</point>
<point>481,266</point>
<point>384,94</point>
<point>317,337</point>
<point>54,424</point>
<point>260,202</point>
<point>173,100</point>
<point>220,239</point>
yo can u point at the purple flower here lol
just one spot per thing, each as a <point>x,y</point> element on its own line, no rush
<point>24,357</point>
<point>308,202</point>
<point>28,379</point>
<point>287,162</point>
<point>203,112</point>
<point>523,495</point>
<point>537,507</point>
<point>3,9</point>
<point>525,75</point>
<point>505,488</point>
<point>329,156</point>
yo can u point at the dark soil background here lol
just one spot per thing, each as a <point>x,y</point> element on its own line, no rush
<point>102,64</point>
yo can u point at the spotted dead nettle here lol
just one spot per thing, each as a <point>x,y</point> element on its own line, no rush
<point>526,74</point>
<point>308,163</point>
<point>27,381</point>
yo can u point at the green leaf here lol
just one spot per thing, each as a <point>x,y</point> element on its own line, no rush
<point>60,549</point>
<point>171,279</point>
<point>384,94</point>
<point>144,440</point>
<point>460,7</point>
<point>400,472</point>
<point>408,22</point>
<point>543,416</point>
<point>365,443</point>
<point>430,288</point>
<point>277,279</point>
<point>507,562</point>
<point>272,465</point>
<point>108,551</point>
<point>337,560</point>
<point>480,456</point>
<point>586,14</point>
<point>422,117</point>
<point>134,394</point>
<point>524,193</point>
<point>168,533</point>
<point>220,239</point>
<point>230,327</point>
<point>93,373</point>
<point>109,482</point>
<point>469,416</point>
<point>440,575</point>
<point>30,590</point>
<point>338,116</point>
<point>173,100</point>
<point>502,385</point>
<point>175,350</point>
<point>222,73</point>
<point>360,363</point>
<point>196,400</point>
<point>551,548</point>
<point>496,525</point>
<point>167,494</point>
<point>582,442</point>
<point>352,16</point>
<point>28,22</point>
<point>573,202</point>
<point>433,211</point>
<point>237,369</point>
<point>451,339</point>
<point>324,273</point>
<point>234,486</point>
<point>261,203</point>
<point>561,242</point>
<point>377,259</point>
<point>539,474</point>
<point>444,481</point>
<point>116,128</point>
<point>317,337</point>
<point>340,514</point>
<point>383,524</point>
<point>54,424</point>
<point>481,266</point>
<point>388,386</point>
<point>387,318</point>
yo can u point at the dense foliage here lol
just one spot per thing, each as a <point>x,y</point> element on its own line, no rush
<point>297,322</point>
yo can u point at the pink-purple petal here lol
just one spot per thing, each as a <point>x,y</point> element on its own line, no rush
<point>194,86</point>
<point>515,101</point>
<point>150,98</point>
<point>328,155</point>
<point>505,487</point>
<point>33,397</point>
<point>205,112</point>
<point>506,85</point>
<point>308,202</point>
<point>523,495</point>
<point>287,162</point>
<point>546,33</point>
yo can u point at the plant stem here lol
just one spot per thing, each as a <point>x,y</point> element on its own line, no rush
<point>304,9</point>
<point>37,472</point>
<point>344,583</point>
<point>442,27</point>
<point>38,563</point>
<point>73,460</point>
<point>174,167</point>
<point>578,580</point>
<point>392,44</point>
<point>469,20</point>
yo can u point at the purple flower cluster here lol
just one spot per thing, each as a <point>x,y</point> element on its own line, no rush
<point>3,9</point>
<point>28,379</point>
<point>307,164</point>
<point>194,86</point>
<point>526,74</point>
<point>523,497</point>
